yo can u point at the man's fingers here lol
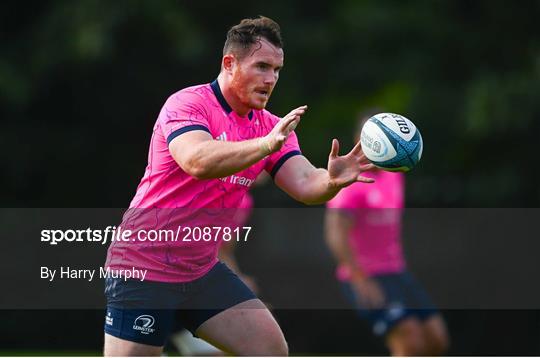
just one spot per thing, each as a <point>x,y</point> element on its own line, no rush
<point>289,118</point>
<point>357,148</point>
<point>296,112</point>
<point>287,124</point>
<point>299,110</point>
<point>302,108</point>
<point>364,179</point>
<point>363,159</point>
<point>285,121</point>
<point>291,127</point>
<point>335,148</point>
<point>367,167</point>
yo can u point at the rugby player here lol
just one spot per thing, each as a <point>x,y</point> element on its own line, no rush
<point>208,145</point>
<point>363,231</point>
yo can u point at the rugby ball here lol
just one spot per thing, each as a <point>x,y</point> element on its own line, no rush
<point>391,142</point>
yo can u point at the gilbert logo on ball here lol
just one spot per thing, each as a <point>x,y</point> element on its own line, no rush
<point>391,142</point>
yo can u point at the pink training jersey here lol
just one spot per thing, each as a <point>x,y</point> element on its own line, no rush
<point>375,237</point>
<point>168,198</point>
<point>242,215</point>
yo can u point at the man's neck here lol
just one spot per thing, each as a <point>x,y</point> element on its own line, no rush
<point>231,98</point>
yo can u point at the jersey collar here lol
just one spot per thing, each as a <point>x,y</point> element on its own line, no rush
<point>221,99</point>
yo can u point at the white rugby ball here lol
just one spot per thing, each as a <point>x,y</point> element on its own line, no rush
<point>391,142</point>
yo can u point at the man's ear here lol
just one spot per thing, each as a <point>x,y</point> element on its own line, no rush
<point>228,63</point>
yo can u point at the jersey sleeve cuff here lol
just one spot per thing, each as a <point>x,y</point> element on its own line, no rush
<point>282,161</point>
<point>194,127</point>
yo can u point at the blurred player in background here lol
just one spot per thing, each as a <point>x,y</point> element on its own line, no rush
<point>363,232</point>
<point>209,143</point>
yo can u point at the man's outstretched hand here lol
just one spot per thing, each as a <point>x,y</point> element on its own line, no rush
<point>347,169</point>
<point>274,140</point>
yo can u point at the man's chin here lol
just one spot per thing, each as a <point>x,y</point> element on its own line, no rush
<point>258,106</point>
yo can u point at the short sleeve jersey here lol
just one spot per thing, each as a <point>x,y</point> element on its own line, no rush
<point>376,209</point>
<point>167,191</point>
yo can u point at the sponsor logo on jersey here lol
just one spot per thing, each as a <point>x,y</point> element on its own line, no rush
<point>222,136</point>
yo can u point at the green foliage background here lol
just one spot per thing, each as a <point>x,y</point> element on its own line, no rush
<point>81,83</point>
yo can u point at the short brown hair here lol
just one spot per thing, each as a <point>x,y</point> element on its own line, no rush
<point>241,37</point>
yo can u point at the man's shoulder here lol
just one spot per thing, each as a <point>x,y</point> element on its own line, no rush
<point>192,93</point>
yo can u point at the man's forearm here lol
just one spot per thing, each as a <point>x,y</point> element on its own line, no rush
<point>217,159</point>
<point>317,188</point>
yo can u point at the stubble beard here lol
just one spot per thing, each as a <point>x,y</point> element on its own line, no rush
<point>244,94</point>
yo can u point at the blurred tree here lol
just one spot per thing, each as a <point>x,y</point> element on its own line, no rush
<point>82,82</point>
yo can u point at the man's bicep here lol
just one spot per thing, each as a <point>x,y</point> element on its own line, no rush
<point>292,174</point>
<point>183,147</point>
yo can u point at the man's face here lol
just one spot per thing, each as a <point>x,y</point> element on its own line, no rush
<point>255,75</point>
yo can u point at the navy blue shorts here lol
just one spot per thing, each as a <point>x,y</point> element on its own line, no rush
<point>404,298</point>
<point>145,311</point>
